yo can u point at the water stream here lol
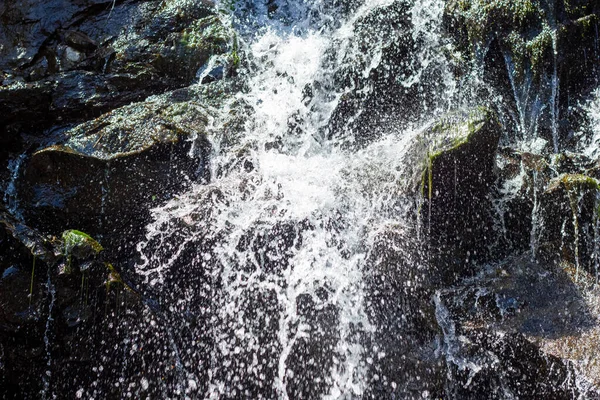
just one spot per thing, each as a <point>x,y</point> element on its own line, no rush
<point>288,232</point>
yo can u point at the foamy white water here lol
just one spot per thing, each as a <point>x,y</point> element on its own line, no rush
<point>331,200</point>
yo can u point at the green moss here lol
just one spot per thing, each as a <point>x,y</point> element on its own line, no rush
<point>575,9</point>
<point>578,182</point>
<point>486,16</point>
<point>539,48</point>
<point>430,177</point>
<point>73,238</point>
<point>521,26</point>
<point>205,34</point>
<point>114,280</point>
<point>456,130</point>
<point>235,58</point>
<point>448,135</point>
<point>79,245</point>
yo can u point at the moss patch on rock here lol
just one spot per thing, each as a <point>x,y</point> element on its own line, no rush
<point>569,215</point>
<point>523,28</point>
<point>111,169</point>
<point>453,164</point>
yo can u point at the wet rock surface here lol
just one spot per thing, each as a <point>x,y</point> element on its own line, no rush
<point>68,279</point>
<point>66,62</point>
<point>455,179</point>
<point>149,245</point>
<point>112,168</point>
<point>531,49</point>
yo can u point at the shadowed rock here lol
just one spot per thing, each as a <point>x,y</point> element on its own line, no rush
<point>109,171</point>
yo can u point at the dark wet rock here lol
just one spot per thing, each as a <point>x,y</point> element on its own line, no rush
<point>403,360</point>
<point>72,61</point>
<point>474,369</point>
<point>388,96</point>
<point>519,316</point>
<point>453,165</point>
<point>568,221</point>
<point>546,50</point>
<point>522,296</point>
<point>523,177</point>
<point>40,302</point>
<point>110,170</point>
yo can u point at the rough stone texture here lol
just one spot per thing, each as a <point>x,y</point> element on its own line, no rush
<point>390,96</point>
<point>522,311</point>
<point>399,304</point>
<point>542,44</point>
<point>505,331</point>
<point>456,177</point>
<point>110,170</point>
<point>70,61</point>
<point>43,300</point>
<point>569,221</point>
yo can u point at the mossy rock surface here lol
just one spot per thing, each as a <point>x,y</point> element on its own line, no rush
<point>80,244</point>
<point>87,304</point>
<point>523,28</point>
<point>454,171</point>
<point>70,61</point>
<point>528,49</point>
<point>108,171</point>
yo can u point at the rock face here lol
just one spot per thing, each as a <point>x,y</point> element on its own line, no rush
<point>111,169</point>
<point>149,249</point>
<point>456,183</point>
<point>531,49</point>
<point>72,61</point>
<point>399,304</point>
<point>66,278</point>
<point>379,79</point>
<point>524,306</point>
<point>569,221</point>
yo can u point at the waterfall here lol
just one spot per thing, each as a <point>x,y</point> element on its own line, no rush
<point>282,240</point>
<point>316,199</point>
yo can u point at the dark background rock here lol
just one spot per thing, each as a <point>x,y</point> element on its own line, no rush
<point>110,171</point>
<point>400,306</point>
<point>86,58</point>
<point>498,36</point>
<point>569,221</point>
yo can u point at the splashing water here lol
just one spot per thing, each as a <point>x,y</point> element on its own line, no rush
<point>592,147</point>
<point>280,244</point>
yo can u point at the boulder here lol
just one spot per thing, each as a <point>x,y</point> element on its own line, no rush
<point>107,172</point>
<point>516,325</point>
<point>379,83</point>
<point>69,61</point>
<point>453,168</point>
<point>533,53</point>
<point>398,302</point>
<point>54,292</point>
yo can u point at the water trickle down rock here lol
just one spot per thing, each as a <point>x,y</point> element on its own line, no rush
<point>536,55</point>
<point>391,73</point>
<point>50,315</point>
<point>569,217</point>
<point>451,169</point>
